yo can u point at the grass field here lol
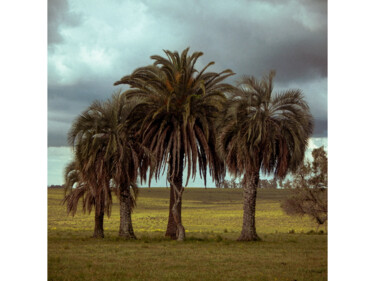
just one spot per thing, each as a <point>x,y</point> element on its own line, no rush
<point>290,248</point>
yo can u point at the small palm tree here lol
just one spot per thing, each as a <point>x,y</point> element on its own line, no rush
<point>128,158</point>
<point>78,187</point>
<point>102,138</point>
<point>176,109</point>
<point>261,132</point>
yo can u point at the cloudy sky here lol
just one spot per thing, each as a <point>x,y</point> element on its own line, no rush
<point>92,44</point>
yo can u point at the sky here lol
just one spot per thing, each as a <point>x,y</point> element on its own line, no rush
<point>92,44</point>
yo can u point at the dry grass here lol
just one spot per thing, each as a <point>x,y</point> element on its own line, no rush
<point>212,218</point>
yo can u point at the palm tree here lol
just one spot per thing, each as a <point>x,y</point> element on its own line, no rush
<point>176,109</point>
<point>128,158</point>
<point>102,135</point>
<point>77,187</point>
<point>261,132</point>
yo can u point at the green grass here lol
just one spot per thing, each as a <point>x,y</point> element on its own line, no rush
<point>213,220</point>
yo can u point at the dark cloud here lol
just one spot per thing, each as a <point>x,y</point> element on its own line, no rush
<point>238,39</point>
<point>320,128</point>
<point>65,103</point>
<point>59,15</point>
<point>249,37</point>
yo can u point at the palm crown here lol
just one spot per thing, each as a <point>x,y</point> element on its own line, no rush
<point>264,132</point>
<point>78,187</point>
<point>103,132</point>
<point>107,156</point>
<point>177,106</point>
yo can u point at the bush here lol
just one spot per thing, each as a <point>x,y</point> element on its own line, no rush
<point>309,193</point>
<point>218,238</point>
<point>306,201</point>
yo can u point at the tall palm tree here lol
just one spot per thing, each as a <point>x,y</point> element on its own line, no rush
<point>262,132</point>
<point>176,109</point>
<point>102,135</point>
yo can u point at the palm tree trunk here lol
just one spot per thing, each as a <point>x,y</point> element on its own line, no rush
<point>175,229</point>
<point>126,226</point>
<point>99,217</point>
<point>249,194</point>
<point>172,226</point>
<point>180,231</point>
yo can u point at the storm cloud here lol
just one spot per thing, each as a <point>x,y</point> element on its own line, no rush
<point>94,43</point>
<point>59,16</point>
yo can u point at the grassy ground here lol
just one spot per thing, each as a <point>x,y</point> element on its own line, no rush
<point>213,220</point>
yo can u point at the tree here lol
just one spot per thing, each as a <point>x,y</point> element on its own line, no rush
<point>263,183</point>
<point>80,185</point>
<point>287,184</point>
<point>177,106</point>
<point>267,183</point>
<point>261,132</point>
<point>233,183</point>
<point>103,135</point>
<point>310,183</point>
<point>224,184</point>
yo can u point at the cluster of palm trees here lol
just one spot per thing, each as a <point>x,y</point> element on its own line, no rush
<point>175,118</point>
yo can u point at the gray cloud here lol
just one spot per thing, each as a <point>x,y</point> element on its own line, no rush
<point>95,45</point>
<point>65,103</point>
<point>59,16</point>
<point>253,36</point>
<point>320,128</point>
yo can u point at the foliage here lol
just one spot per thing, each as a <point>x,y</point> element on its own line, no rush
<point>106,152</point>
<point>228,184</point>
<point>287,184</point>
<point>261,131</point>
<point>263,183</point>
<point>268,183</point>
<point>55,186</point>
<point>78,187</point>
<point>310,185</point>
<point>176,106</point>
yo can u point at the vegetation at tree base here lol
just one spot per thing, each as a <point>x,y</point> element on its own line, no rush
<point>268,183</point>
<point>106,158</point>
<point>176,107</point>
<point>263,183</point>
<point>55,186</point>
<point>227,184</point>
<point>310,187</point>
<point>261,132</point>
